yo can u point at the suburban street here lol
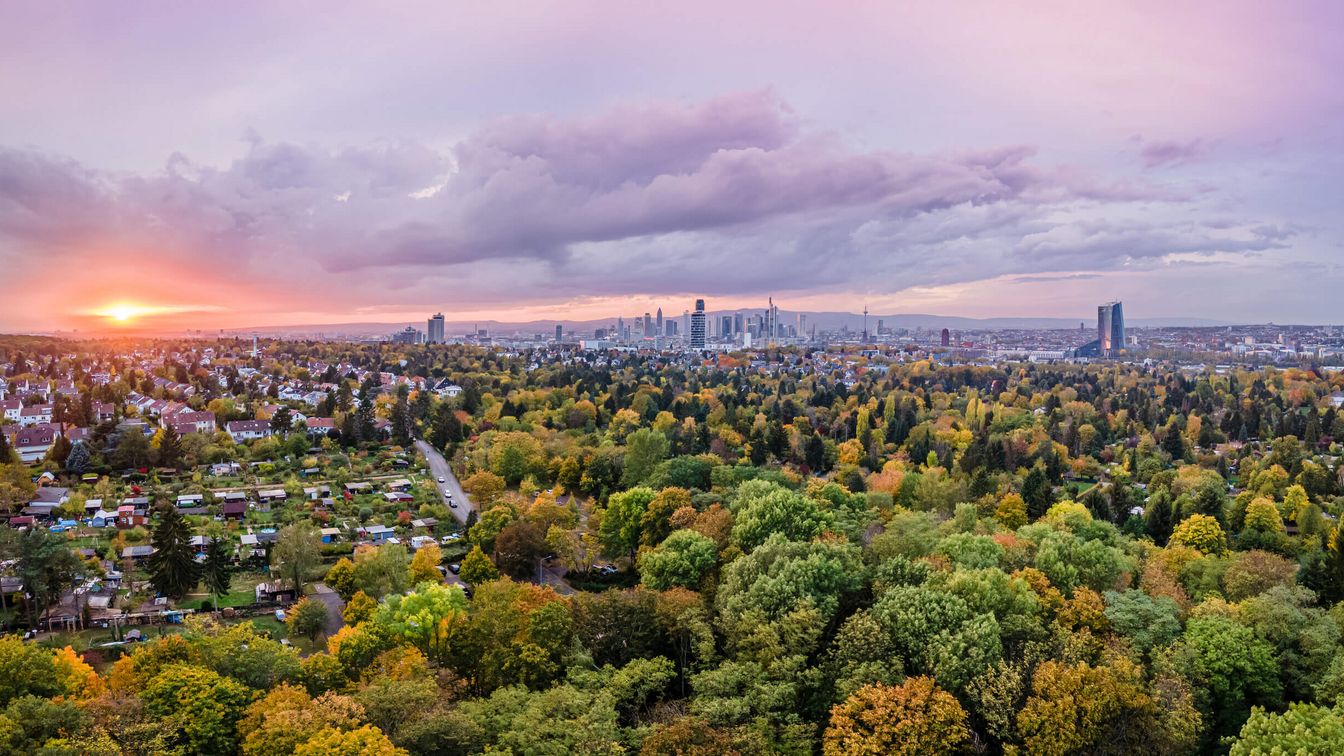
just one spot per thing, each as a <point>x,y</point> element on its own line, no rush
<point>439,468</point>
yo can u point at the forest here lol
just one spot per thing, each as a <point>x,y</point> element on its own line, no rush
<point>781,551</point>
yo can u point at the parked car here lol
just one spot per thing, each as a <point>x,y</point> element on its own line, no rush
<point>442,479</point>
<point>455,567</point>
<point>452,504</point>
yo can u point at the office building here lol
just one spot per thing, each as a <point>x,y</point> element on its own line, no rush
<point>698,325</point>
<point>658,325</point>
<point>408,336</point>
<point>945,338</point>
<point>434,334</point>
<point>559,333</point>
<point>1110,329</point>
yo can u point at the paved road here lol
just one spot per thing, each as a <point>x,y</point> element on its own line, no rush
<point>439,468</point>
<point>326,595</point>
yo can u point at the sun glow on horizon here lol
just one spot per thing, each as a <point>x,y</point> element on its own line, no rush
<point>126,313</point>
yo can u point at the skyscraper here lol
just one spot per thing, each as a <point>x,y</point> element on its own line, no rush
<point>559,333</point>
<point>434,334</point>
<point>1110,329</point>
<point>648,326</point>
<point>658,330</point>
<point>945,338</point>
<point>698,325</point>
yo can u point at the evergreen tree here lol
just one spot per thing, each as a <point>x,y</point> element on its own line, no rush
<point>170,448</point>
<point>6,453</point>
<point>60,450</point>
<point>77,461</point>
<point>1037,492</point>
<point>282,422</point>
<point>1158,517</point>
<point>216,571</point>
<point>1173,444</point>
<point>172,567</point>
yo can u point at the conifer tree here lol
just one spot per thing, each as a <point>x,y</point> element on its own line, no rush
<point>172,567</point>
<point>216,571</point>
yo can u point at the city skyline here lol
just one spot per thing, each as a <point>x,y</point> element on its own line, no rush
<point>1032,163</point>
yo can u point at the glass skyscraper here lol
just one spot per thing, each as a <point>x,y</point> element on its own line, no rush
<point>1110,329</point>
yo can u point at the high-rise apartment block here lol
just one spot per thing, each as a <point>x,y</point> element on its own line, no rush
<point>698,325</point>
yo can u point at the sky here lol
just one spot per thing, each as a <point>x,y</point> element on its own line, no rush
<point>205,165</point>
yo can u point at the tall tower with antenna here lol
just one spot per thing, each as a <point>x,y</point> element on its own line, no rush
<point>865,324</point>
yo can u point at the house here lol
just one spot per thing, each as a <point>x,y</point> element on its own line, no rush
<point>33,443</point>
<point>37,414</point>
<point>313,493</point>
<point>275,592</point>
<point>190,501</point>
<point>450,390</point>
<point>400,484</point>
<point>225,468</point>
<point>137,553</point>
<point>11,408</point>
<point>234,509</point>
<point>320,426</point>
<point>56,495</point>
<point>39,511</point>
<point>129,517</point>
<point>376,533</point>
<point>358,488</point>
<point>190,422</point>
<point>421,541</point>
<point>103,518</point>
<point>248,430</point>
<point>330,535</point>
<point>104,411</point>
<point>271,495</point>
<point>426,523</point>
<point>397,496</point>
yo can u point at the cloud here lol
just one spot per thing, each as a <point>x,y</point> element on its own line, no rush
<point>1166,153</point>
<point>733,195</point>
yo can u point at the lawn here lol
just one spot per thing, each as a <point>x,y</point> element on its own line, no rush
<point>242,592</point>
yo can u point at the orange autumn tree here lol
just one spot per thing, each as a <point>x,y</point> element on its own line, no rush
<point>911,718</point>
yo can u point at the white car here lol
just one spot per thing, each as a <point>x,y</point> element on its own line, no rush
<point>442,479</point>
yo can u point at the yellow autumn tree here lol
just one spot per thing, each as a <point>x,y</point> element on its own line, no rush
<point>915,717</point>
<point>76,678</point>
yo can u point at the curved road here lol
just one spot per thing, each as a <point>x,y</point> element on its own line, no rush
<point>439,468</point>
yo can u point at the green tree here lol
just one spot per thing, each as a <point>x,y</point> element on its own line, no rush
<point>297,553</point>
<point>381,571</point>
<point>477,568</point>
<point>620,529</point>
<point>217,569</point>
<point>1303,729</point>
<point>25,670</point>
<point>306,619</point>
<point>644,449</point>
<point>200,708</point>
<point>172,567</point>
<point>763,508</point>
<point>682,560</point>
<point>44,563</point>
<point>170,448</point>
<point>1234,669</point>
<point>77,462</point>
<point>423,618</point>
